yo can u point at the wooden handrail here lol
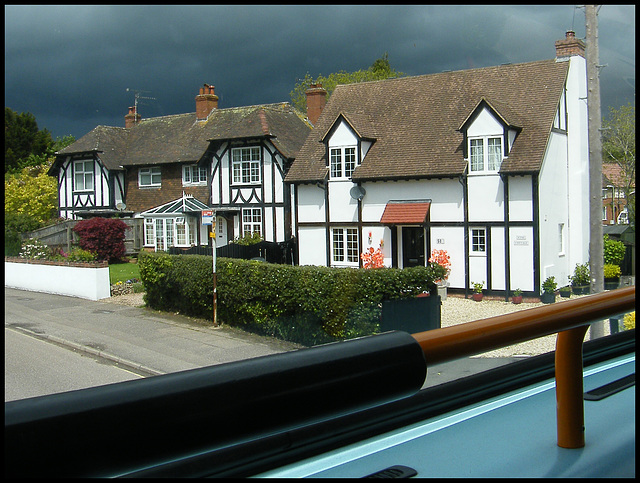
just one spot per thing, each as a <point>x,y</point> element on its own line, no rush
<point>570,319</point>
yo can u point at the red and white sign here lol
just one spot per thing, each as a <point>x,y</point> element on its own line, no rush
<point>207,217</point>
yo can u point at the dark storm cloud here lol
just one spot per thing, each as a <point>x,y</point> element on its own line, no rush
<point>71,66</point>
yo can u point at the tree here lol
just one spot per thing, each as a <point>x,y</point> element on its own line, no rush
<point>24,143</point>
<point>31,193</point>
<point>619,146</point>
<point>379,70</point>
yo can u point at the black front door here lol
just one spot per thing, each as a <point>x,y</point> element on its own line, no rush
<point>412,246</point>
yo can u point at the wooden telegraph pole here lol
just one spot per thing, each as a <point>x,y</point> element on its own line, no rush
<point>596,244</point>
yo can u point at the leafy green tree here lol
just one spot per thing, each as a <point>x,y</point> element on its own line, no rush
<point>619,146</point>
<point>379,70</point>
<point>24,143</point>
<point>32,193</point>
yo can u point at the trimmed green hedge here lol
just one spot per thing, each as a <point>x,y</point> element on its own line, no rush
<point>305,304</point>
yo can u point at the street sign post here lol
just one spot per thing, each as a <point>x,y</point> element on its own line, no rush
<point>208,218</point>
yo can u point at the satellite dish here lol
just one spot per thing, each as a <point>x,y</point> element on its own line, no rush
<point>357,192</point>
<point>120,206</point>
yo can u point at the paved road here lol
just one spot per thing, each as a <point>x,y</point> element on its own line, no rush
<point>152,341</point>
<point>54,369</point>
<point>157,342</point>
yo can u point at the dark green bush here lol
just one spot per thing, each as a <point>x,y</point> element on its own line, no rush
<point>308,304</point>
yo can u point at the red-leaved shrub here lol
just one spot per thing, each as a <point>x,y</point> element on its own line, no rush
<point>103,236</point>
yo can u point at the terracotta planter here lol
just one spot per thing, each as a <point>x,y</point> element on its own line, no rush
<point>516,299</point>
<point>477,297</point>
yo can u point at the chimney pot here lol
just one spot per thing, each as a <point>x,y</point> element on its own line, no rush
<point>206,102</point>
<point>132,118</point>
<point>316,100</point>
<point>569,46</point>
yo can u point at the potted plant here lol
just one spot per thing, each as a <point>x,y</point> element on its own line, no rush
<point>441,258</point>
<point>549,287</point>
<point>565,291</point>
<point>611,276</point>
<point>477,290</point>
<point>580,282</point>
<point>517,296</point>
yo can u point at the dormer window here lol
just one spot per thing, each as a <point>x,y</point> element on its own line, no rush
<point>485,154</point>
<point>342,161</point>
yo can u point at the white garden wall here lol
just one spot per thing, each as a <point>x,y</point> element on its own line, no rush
<point>76,281</point>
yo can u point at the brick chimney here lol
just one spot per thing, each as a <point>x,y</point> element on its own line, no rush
<point>569,46</point>
<point>206,102</point>
<point>132,118</point>
<point>316,100</point>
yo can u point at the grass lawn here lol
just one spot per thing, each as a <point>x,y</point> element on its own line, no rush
<point>121,272</point>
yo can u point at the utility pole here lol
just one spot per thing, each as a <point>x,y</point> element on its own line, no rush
<point>596,244</point>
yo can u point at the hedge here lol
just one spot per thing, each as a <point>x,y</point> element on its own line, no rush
<point>305,304</point>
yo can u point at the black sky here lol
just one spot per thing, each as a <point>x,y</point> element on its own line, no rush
<point>71,66</point>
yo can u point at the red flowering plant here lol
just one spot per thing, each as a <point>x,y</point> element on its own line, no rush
<point>373,258</point>
<point>441,258</point>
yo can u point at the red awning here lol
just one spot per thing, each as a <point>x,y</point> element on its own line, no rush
<point>405,213</point>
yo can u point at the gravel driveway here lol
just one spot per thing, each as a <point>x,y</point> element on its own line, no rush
<point>455,310</point>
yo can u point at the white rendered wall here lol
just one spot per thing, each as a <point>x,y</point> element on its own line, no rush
<point>86,283</point>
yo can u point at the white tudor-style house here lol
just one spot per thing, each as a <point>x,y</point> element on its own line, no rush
<point>166,170</point>
<point>489,164</point>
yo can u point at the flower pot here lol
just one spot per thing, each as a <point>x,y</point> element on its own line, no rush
<point>548,297</point>
<point>565,293</point>
<point>611,283</point>
<point>581,289</point>
<point>516,299</point>
<point>477,297</point>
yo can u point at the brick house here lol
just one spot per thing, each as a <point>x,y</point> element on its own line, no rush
<point>614,203</point>
<point>162,170</point>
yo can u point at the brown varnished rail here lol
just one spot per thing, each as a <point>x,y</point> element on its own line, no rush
<point>570,319</point>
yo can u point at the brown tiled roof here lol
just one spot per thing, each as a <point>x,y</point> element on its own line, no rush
<point>108,141</point>
<point>180,138</point>
<point>612,175</point>
<point>415,120</point>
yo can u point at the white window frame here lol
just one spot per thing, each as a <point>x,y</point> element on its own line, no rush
<point>343,160</point>
<point>178,231</point>
<point>561,239</point>
<point>83,178</point>
<point>345,246</point>
<point>193,175</point>
<point>484,156</point>
<point>149,232</point>
<point>245,165</point>
<point>155,177</point>
<point>477,240</point>
<point>251,221</point>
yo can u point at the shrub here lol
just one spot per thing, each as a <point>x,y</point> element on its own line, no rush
<point>581,275</point>
<point>103,236</point>
<point>549,285</point>
<point>34,250</point>
<point>80,255</point>
<point>629,321</point>
<point>14,225</point>
<point>305,304</point>
<point>611,271</point>
<point>613,251</point>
